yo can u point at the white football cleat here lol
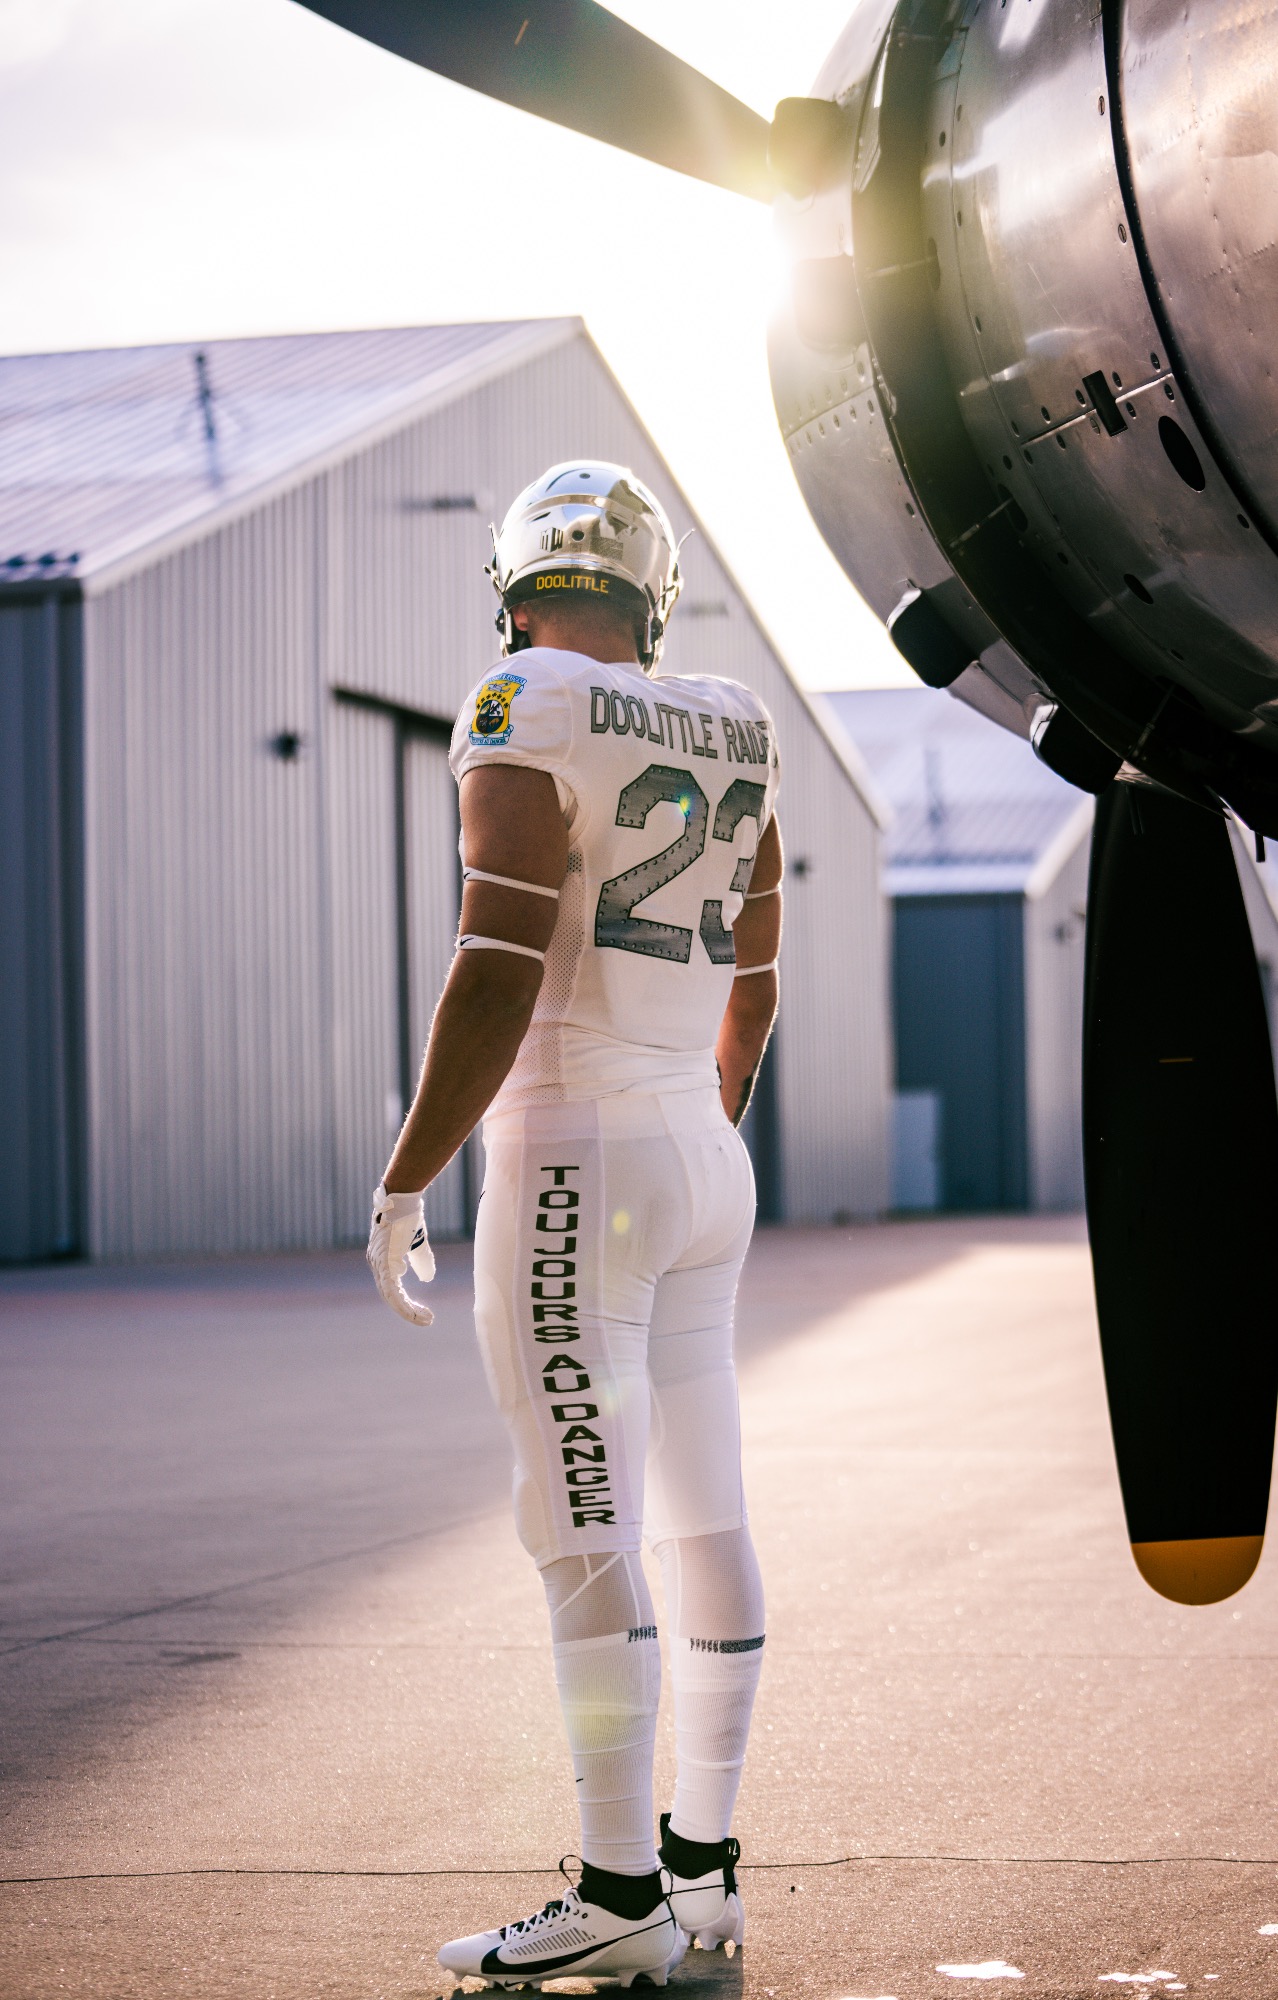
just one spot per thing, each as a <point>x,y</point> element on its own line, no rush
<point>707,1907</point>
<point>569,1936</point>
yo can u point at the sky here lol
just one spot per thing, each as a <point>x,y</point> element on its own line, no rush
<point>196,169</point>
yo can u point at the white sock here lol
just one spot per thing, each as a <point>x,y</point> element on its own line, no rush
<point>609,1689</point>
<point>713,1589</point>
<point>714,1685</point>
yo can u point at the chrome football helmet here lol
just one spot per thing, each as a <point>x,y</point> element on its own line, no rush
<point>588,526</point>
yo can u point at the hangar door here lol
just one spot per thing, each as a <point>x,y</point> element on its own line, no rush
<point>761,1131</point>
<point>396,898</point>
<point>959,1007</point>
<point>40,930</point>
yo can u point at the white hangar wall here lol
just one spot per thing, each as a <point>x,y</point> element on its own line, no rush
<point>207,1040</point>
<point>1055,913</point>
<point>1259,881</point>
<point>261,930</point>
<point>1055,922</point>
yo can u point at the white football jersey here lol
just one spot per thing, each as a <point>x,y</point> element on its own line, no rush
<point>666,786</point>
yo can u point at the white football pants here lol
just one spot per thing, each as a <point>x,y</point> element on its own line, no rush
<point>609,1242</point>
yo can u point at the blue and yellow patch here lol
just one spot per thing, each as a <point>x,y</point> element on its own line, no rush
<point>492,723</point>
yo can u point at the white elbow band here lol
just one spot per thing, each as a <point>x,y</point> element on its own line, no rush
<point>748,971</point>
<point>757,896</point>
<point>470,942</point>
<point>509,882</point>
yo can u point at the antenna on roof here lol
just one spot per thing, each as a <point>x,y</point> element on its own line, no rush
<point>937,807</point>
<point>208,415</point>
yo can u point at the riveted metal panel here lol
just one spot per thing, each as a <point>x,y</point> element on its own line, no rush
<point>1201,124</point>
<point>1081,418</point>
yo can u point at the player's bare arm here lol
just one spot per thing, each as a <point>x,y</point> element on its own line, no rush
<point>512,826</point>
<point>752,1005</point>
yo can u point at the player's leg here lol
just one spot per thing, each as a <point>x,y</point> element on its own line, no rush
<point>562,1320</point>
<point>608,1672</point>
<point>697,1522</point>
<point>601,1613</point>
<point>714,1596</point>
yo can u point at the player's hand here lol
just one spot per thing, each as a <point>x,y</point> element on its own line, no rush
<point>396,1240</point>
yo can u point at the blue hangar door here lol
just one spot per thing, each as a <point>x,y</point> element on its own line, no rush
<point>959,1004</point>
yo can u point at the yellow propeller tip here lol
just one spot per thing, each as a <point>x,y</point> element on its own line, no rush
<point>1198,1572</point>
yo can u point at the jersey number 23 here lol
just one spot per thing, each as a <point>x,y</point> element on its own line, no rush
<point>616,925</point>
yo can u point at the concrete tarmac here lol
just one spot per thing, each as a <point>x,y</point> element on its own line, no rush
<point>277,1704</point>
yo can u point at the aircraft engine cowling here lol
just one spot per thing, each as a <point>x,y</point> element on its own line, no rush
<point>1027,374</point>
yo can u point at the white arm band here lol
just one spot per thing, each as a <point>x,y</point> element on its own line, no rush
<point>470,942</point>
<point>746,971</point>
<point>757,895</point>
<point>508,882</point>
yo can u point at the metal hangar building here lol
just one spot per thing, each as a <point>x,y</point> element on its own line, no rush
<point>987,859</point>
<point>241,600</point>
<point>987,862</point>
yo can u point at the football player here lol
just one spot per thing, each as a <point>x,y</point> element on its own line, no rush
<point>607,1008</point>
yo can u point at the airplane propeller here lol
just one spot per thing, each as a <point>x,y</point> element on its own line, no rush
<point>576,64</point>
<point>1180,1142</point>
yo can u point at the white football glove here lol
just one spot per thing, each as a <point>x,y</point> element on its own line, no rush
<point>397,1239</point>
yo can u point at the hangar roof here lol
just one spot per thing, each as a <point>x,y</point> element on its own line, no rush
<point>113,456</point>
<point>105,453</point>
<point>974,812</point>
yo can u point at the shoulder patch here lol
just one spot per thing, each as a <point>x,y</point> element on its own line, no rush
<point>492,722</point>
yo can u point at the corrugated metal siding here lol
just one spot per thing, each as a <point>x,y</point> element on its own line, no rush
<point>242,1026</point>
<point>974,832</point>
<point>362,751</point>
<point>40,927</point>
<point>834,1048</point>
<point>1054,927</point>
<point>210,1096</point>
<point>976,815</point>
<point>430,843</point>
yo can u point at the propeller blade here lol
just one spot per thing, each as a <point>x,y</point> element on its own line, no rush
<point>576,64</point>
<point>1180,1136</point>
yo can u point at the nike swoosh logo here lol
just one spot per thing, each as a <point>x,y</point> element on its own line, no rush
<point>493,1961</point>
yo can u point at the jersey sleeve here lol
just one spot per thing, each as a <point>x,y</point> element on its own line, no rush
<point>521,715</point>
<point>767,729</point>
<point>755,741</point>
